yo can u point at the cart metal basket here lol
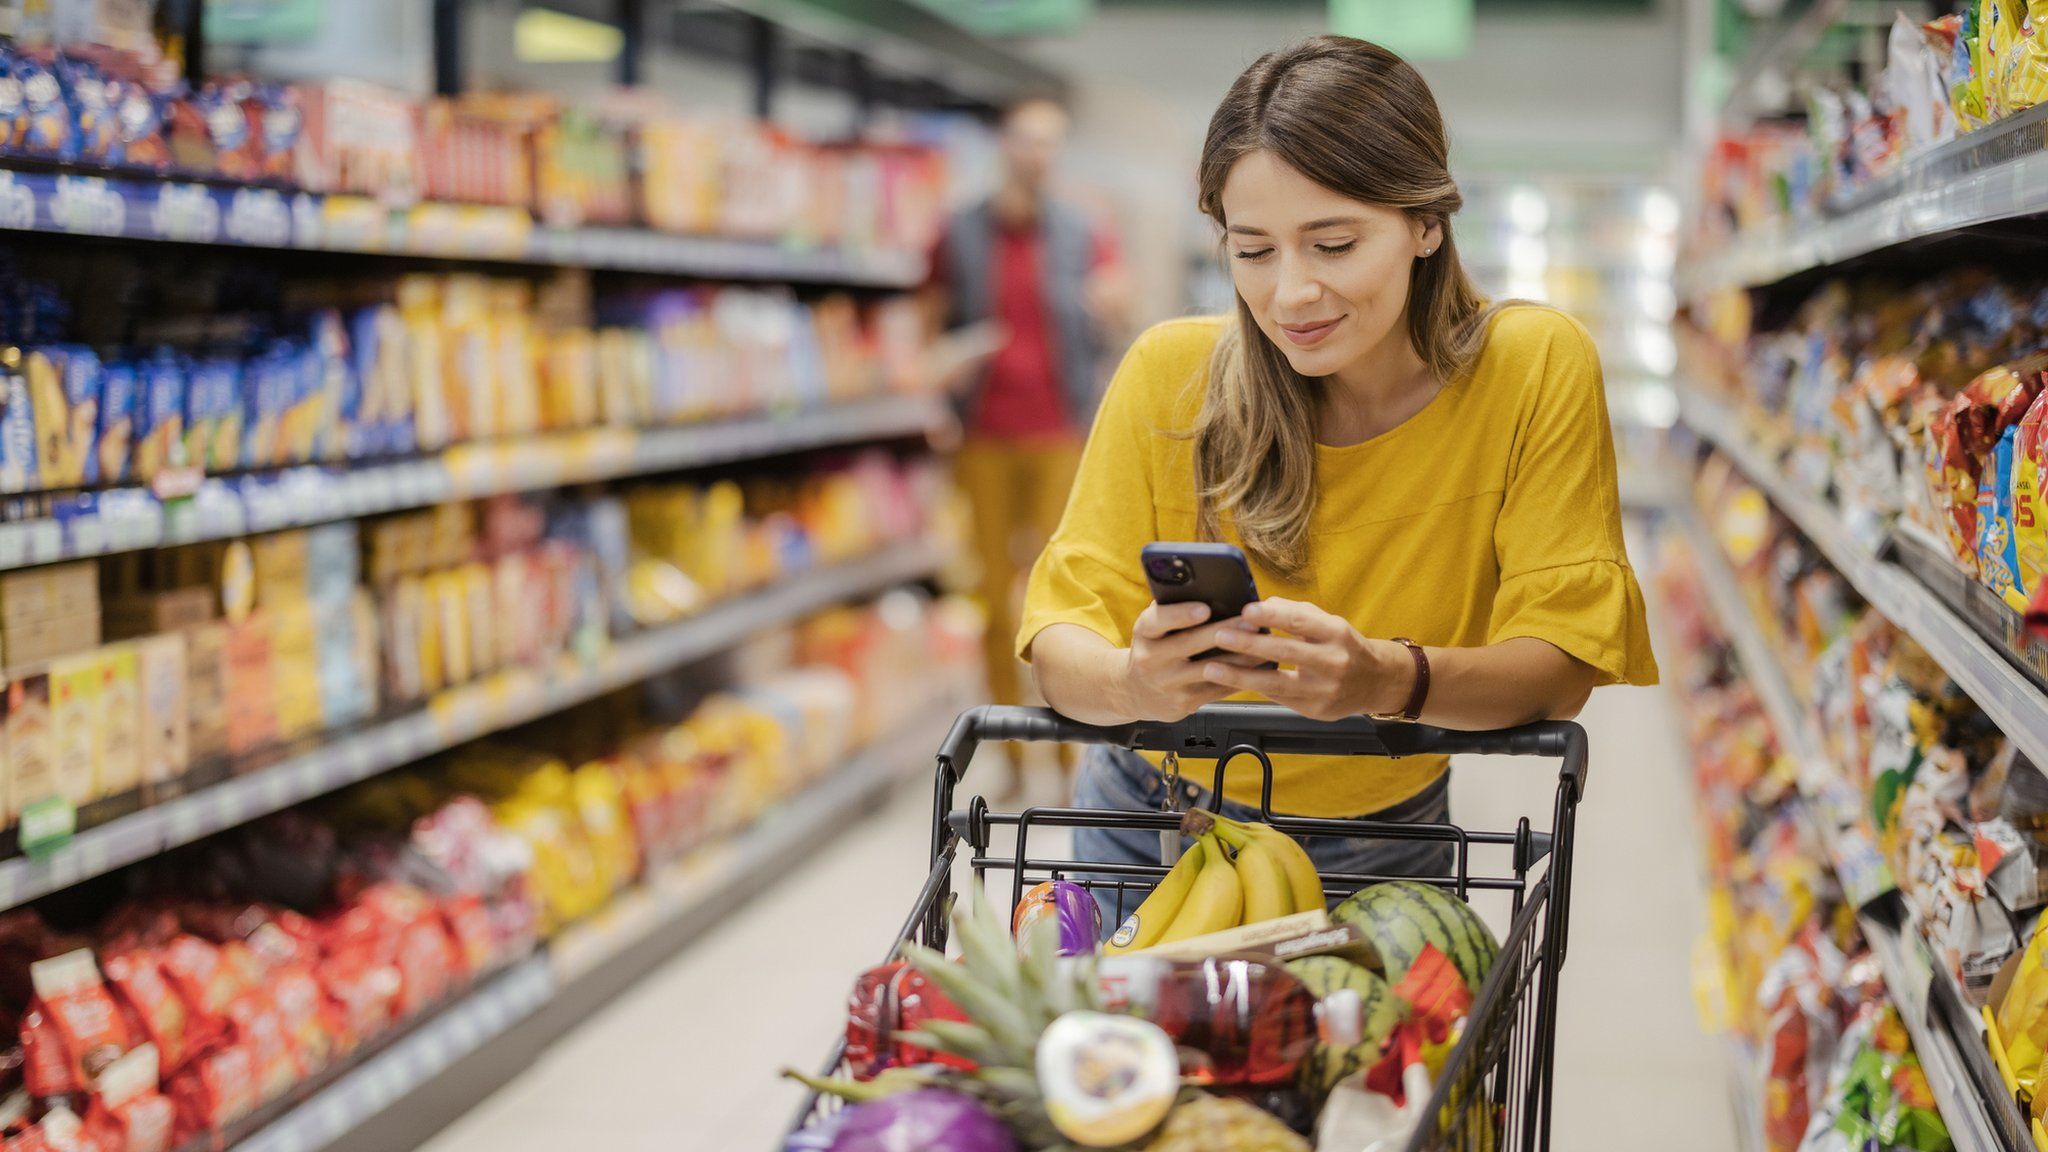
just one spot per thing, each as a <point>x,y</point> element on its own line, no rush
<point>1494,1091</point>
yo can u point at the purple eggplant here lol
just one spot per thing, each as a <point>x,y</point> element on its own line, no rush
<point>1061,907</point>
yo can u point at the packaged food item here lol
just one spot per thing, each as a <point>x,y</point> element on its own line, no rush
<point>76,684</point>
<point>888,1002</point>
<point>64,387</point>
<point>128,1114</point>
<point>166,751</point>
<point>1108,1080</point>
<point>121,717</point>
<point>151,1006</point>
<point>18,469</point>
<point>31,744</point>
<point>160,416</point>
<point>120,390</point>
<point>73,1030</point>
<point>139,116</point>
<point>213,1091</point>
<point>1997,557</point>
<point>48,132</point>
<point>213,414</point>
<point>1062,909</point>
<point>93,111</point>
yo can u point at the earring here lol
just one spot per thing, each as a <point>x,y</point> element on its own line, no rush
<point>1429,251</point>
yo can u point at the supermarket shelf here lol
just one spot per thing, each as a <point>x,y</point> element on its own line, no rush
<point>683,897</point>
<point>128,519</point>
<point>1968,1111</point>
<point>454,717</point>
<point>455,1033</point>
<point>146,208</point>
<point>1791,720</point>
<point>2003,691</point>
<point>1972,1113</point>
<point>1993,174</point>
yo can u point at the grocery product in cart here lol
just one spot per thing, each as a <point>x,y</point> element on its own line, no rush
<point>1371,1012</point>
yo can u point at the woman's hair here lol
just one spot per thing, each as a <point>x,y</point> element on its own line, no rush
<point>1358,120</point>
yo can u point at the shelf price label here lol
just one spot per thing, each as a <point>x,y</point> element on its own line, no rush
<point>259,217</point>
<point>17,204</point>
<point>88,206</point>
<point>46,826</point>
<point>186,212</point>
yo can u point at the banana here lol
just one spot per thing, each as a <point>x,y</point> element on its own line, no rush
<point>1215,902</point>
<point>1302,881</point>
<point>1267,893</point>
<point>1144,927</point>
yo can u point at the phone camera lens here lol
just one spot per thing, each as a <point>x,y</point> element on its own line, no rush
<point>1173,570</point>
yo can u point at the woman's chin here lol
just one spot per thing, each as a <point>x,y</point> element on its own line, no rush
<point>1313,362</point>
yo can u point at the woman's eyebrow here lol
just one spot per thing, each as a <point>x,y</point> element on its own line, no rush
<point>1330,222</point>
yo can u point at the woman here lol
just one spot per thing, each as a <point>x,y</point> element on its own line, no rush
<point>1425,485</point>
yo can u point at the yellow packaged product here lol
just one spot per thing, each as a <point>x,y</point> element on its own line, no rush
<point>448,608</point>
<point>2029,491</point>
<point>569,385</point>
<point>484,654</point>
<point>75,720</point>
<point>120,766</point>
<point>514,345</point>
<point>2023,65</point>
<point>425,345</point>
<point>2022,1016</point>
<point>608,828</point>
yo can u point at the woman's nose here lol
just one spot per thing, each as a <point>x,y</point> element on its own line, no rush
<point>1296,286</point>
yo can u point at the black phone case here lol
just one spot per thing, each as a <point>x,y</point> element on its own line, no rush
<point>1220,578</point>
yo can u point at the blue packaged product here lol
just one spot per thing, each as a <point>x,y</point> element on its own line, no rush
<point>94,111</point>
<point>267,384</point>
<point>48,131</point>
<point>1997,547</point>
<point>213,414</point>
<point>17,428</point>
<point>160,415</point>
<point>380,412</point>
<point>327,362</point>
<point>64,391</point>
<point>119,390</point>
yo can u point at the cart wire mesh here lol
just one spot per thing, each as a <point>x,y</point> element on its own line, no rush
<point>1493,1091</point>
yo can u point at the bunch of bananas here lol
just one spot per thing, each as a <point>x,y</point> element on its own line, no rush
<point>1236,873</point>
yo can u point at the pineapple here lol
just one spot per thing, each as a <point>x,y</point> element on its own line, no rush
<point>1009,1001</point>
<point>1205,1123</point>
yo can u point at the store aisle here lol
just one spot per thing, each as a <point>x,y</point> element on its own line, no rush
<point>686,1061</point>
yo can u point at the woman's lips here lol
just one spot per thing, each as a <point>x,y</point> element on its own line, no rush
<point>1309,335</point>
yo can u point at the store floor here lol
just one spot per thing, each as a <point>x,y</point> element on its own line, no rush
<point>686,1061</point>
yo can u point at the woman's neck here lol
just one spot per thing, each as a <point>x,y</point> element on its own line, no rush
<point>1376,393</point>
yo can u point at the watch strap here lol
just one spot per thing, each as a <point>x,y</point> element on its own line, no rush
<point>1420,695</point>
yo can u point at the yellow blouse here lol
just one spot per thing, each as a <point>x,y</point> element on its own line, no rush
<point>1490,514</point>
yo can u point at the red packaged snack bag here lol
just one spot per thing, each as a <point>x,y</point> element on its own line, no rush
<point>468,924</point>
<point>205,982</point>
<point>213,1091</point>
<point>62,1131</point>
<point>129,1114</point>
<point>73,1029</point>
<point>304,1011</point>
<point>260,1030</point>
<point>364,993</point>
<point>154,1012</point>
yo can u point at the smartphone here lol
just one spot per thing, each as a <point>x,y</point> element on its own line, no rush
<point>1214,574</point>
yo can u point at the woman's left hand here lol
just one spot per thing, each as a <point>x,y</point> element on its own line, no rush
<point>1328,671</point>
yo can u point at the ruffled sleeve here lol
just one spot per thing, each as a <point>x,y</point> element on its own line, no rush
<point>1089,573</point>
<point>1564,572</point>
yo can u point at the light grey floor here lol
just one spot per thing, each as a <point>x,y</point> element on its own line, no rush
<point>686,1061</point>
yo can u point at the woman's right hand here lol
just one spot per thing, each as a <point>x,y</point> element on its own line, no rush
<point>1159,679</point>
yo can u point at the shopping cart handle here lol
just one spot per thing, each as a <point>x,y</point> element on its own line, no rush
<point>1221,729</point>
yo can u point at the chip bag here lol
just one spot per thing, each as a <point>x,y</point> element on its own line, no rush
<point>1997,557</point>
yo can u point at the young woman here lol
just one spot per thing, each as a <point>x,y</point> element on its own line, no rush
<point>1425,484</point>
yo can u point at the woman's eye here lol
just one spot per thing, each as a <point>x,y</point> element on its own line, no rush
<point>1336,249</point>
<point>1253,254</point>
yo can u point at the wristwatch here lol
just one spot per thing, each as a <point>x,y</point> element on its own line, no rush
<point>1417,698</point>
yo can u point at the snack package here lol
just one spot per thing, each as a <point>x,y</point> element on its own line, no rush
<point>48,132</point>
<point>73,1029</point>
<point>1914,85</point>
<point>120,388</point>
<point>94,111</point>
<point>128,1114</point>
<point>149,1004</point>
<point>213,414</point>
<point>139,117</point>
<point>237,148</point>
<point>17,427</point>
<point>160,416</point>
<point>213,1091</point>
<point>1997,555</point>
<point>64,386</point>
<point>2023,62</point>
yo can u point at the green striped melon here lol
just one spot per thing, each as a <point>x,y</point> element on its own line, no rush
<point>1379,1010</point>
<point>1400,916</point>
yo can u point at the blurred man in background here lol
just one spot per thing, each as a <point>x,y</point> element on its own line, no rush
<point>1039,287</point>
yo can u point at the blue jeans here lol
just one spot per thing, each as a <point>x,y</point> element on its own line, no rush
<point>1118,778</point>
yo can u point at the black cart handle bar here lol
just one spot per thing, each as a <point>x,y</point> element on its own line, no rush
<point>1224,730</point>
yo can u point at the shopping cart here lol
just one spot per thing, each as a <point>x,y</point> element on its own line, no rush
<point>1494,1090</point>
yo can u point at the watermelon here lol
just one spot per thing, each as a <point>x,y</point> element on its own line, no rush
<point>1379,1010</point>
<point>1400,916</point>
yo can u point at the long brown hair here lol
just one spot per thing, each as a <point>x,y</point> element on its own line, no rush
<point>1358,120</point>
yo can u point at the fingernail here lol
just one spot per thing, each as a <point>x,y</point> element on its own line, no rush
<point>1252,611</point>
<point>1199,613</point>
<point>1212,671</point>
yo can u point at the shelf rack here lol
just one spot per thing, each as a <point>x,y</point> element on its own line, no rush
<point>502,700</point>
<point>1974,1120</point>
<point>683,897</point>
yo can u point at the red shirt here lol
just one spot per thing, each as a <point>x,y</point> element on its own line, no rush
<point>1021,396</point>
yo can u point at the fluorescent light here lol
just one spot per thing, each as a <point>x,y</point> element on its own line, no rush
<point>546,36</point>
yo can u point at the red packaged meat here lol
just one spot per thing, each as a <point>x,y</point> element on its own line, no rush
<point>213,1091</point>
<point>73,1029</point>
<point>128,1114</point>
<point>260,1030</point>
<point>155,1013</point>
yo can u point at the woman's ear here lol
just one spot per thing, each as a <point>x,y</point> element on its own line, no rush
<point>1429,237</point>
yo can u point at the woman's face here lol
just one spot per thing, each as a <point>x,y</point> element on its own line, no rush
<point>1326,276</point>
